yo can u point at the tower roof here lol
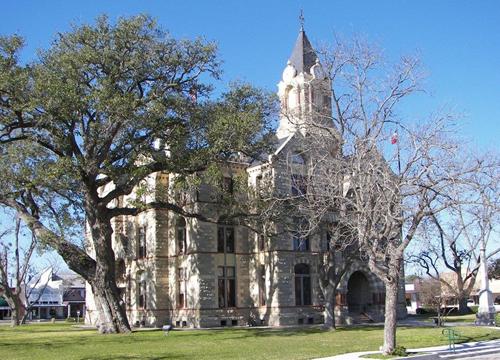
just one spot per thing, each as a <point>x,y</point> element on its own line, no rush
<point>303,55</point>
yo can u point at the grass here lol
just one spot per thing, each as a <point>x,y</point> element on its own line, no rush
<point>469,318</point>
<point>63,341</point>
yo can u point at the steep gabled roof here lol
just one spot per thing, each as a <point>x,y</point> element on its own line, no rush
<point>303,55</point>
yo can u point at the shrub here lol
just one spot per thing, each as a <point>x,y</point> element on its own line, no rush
<point>399,351</point>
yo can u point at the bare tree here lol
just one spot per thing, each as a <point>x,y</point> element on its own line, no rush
<point>452,239</point>
<point>16,268</point>
<point>432,295</point>
<point>381,192</point>
<point>341,251</point>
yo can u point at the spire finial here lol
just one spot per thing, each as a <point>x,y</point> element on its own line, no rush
<point>301,19</point>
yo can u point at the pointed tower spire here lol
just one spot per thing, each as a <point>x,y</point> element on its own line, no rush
<point>301,20</point>
<point>303,55</point>
<point>304,89</point>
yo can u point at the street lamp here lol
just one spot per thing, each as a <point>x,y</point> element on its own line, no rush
<point>77,316</point>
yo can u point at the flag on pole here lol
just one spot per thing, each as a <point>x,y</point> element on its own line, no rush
<point>394,138</point>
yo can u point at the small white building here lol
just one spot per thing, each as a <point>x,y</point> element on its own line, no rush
<point>412,296</point>
<point>56,295</point>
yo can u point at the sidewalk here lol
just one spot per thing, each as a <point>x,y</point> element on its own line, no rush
<point>428,350</point>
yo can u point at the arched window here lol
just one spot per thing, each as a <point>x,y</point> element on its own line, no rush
<point>181,236</point>
<point>302,285</point>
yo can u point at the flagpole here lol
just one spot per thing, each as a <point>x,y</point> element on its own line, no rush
<point>398,150</point>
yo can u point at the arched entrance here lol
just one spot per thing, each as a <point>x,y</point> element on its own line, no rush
<point>358,293</point>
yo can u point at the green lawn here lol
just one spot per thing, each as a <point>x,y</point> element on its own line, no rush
<point>61,341</point>
<point>469,318</point>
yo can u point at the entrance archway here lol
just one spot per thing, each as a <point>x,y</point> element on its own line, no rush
<point>358,293</point>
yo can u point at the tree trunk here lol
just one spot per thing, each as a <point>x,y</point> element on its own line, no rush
<point>112,314</point>
<point>15,321</point>
<point>15,305</point>
<point>113,317</point>
<point>27,311</point>
<point>329,312</point>
<point>462,306</point>
<point>391,299</point>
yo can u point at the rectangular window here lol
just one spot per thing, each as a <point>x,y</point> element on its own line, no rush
<point>181,288</point>
<point>328,241</point>
<point>226,286</point>
<point>307,290</point>
<point>259,186</point>
<point>300,243</point>
<point>298,291</point>
<point>299,185</point>
<point>228,185</point>
<point>262,242</point>
<point>262,285</point>
<point>220,239</point>
<point>225,239</point>
<point>302,290</point>
<point>142,295</point>
<point>141,239</point>
<point>181,240</point>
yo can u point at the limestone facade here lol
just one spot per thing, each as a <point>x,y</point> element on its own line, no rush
<point>190,273</point>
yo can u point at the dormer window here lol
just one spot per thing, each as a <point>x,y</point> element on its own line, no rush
<point>297,159</point>
<point>300,242</point>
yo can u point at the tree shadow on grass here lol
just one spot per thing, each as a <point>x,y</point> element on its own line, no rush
<point>134,357</point>
<point>301,331</point>
<point>484,337</point>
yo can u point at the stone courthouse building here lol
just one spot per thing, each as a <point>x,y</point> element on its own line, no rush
<point>190,273</point>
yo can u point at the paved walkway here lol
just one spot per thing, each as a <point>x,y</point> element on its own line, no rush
<point>462,351</point>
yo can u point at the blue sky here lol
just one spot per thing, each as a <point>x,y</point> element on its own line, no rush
<point>458,41</point>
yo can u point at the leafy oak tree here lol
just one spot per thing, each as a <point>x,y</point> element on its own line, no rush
<point>107,105</point>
